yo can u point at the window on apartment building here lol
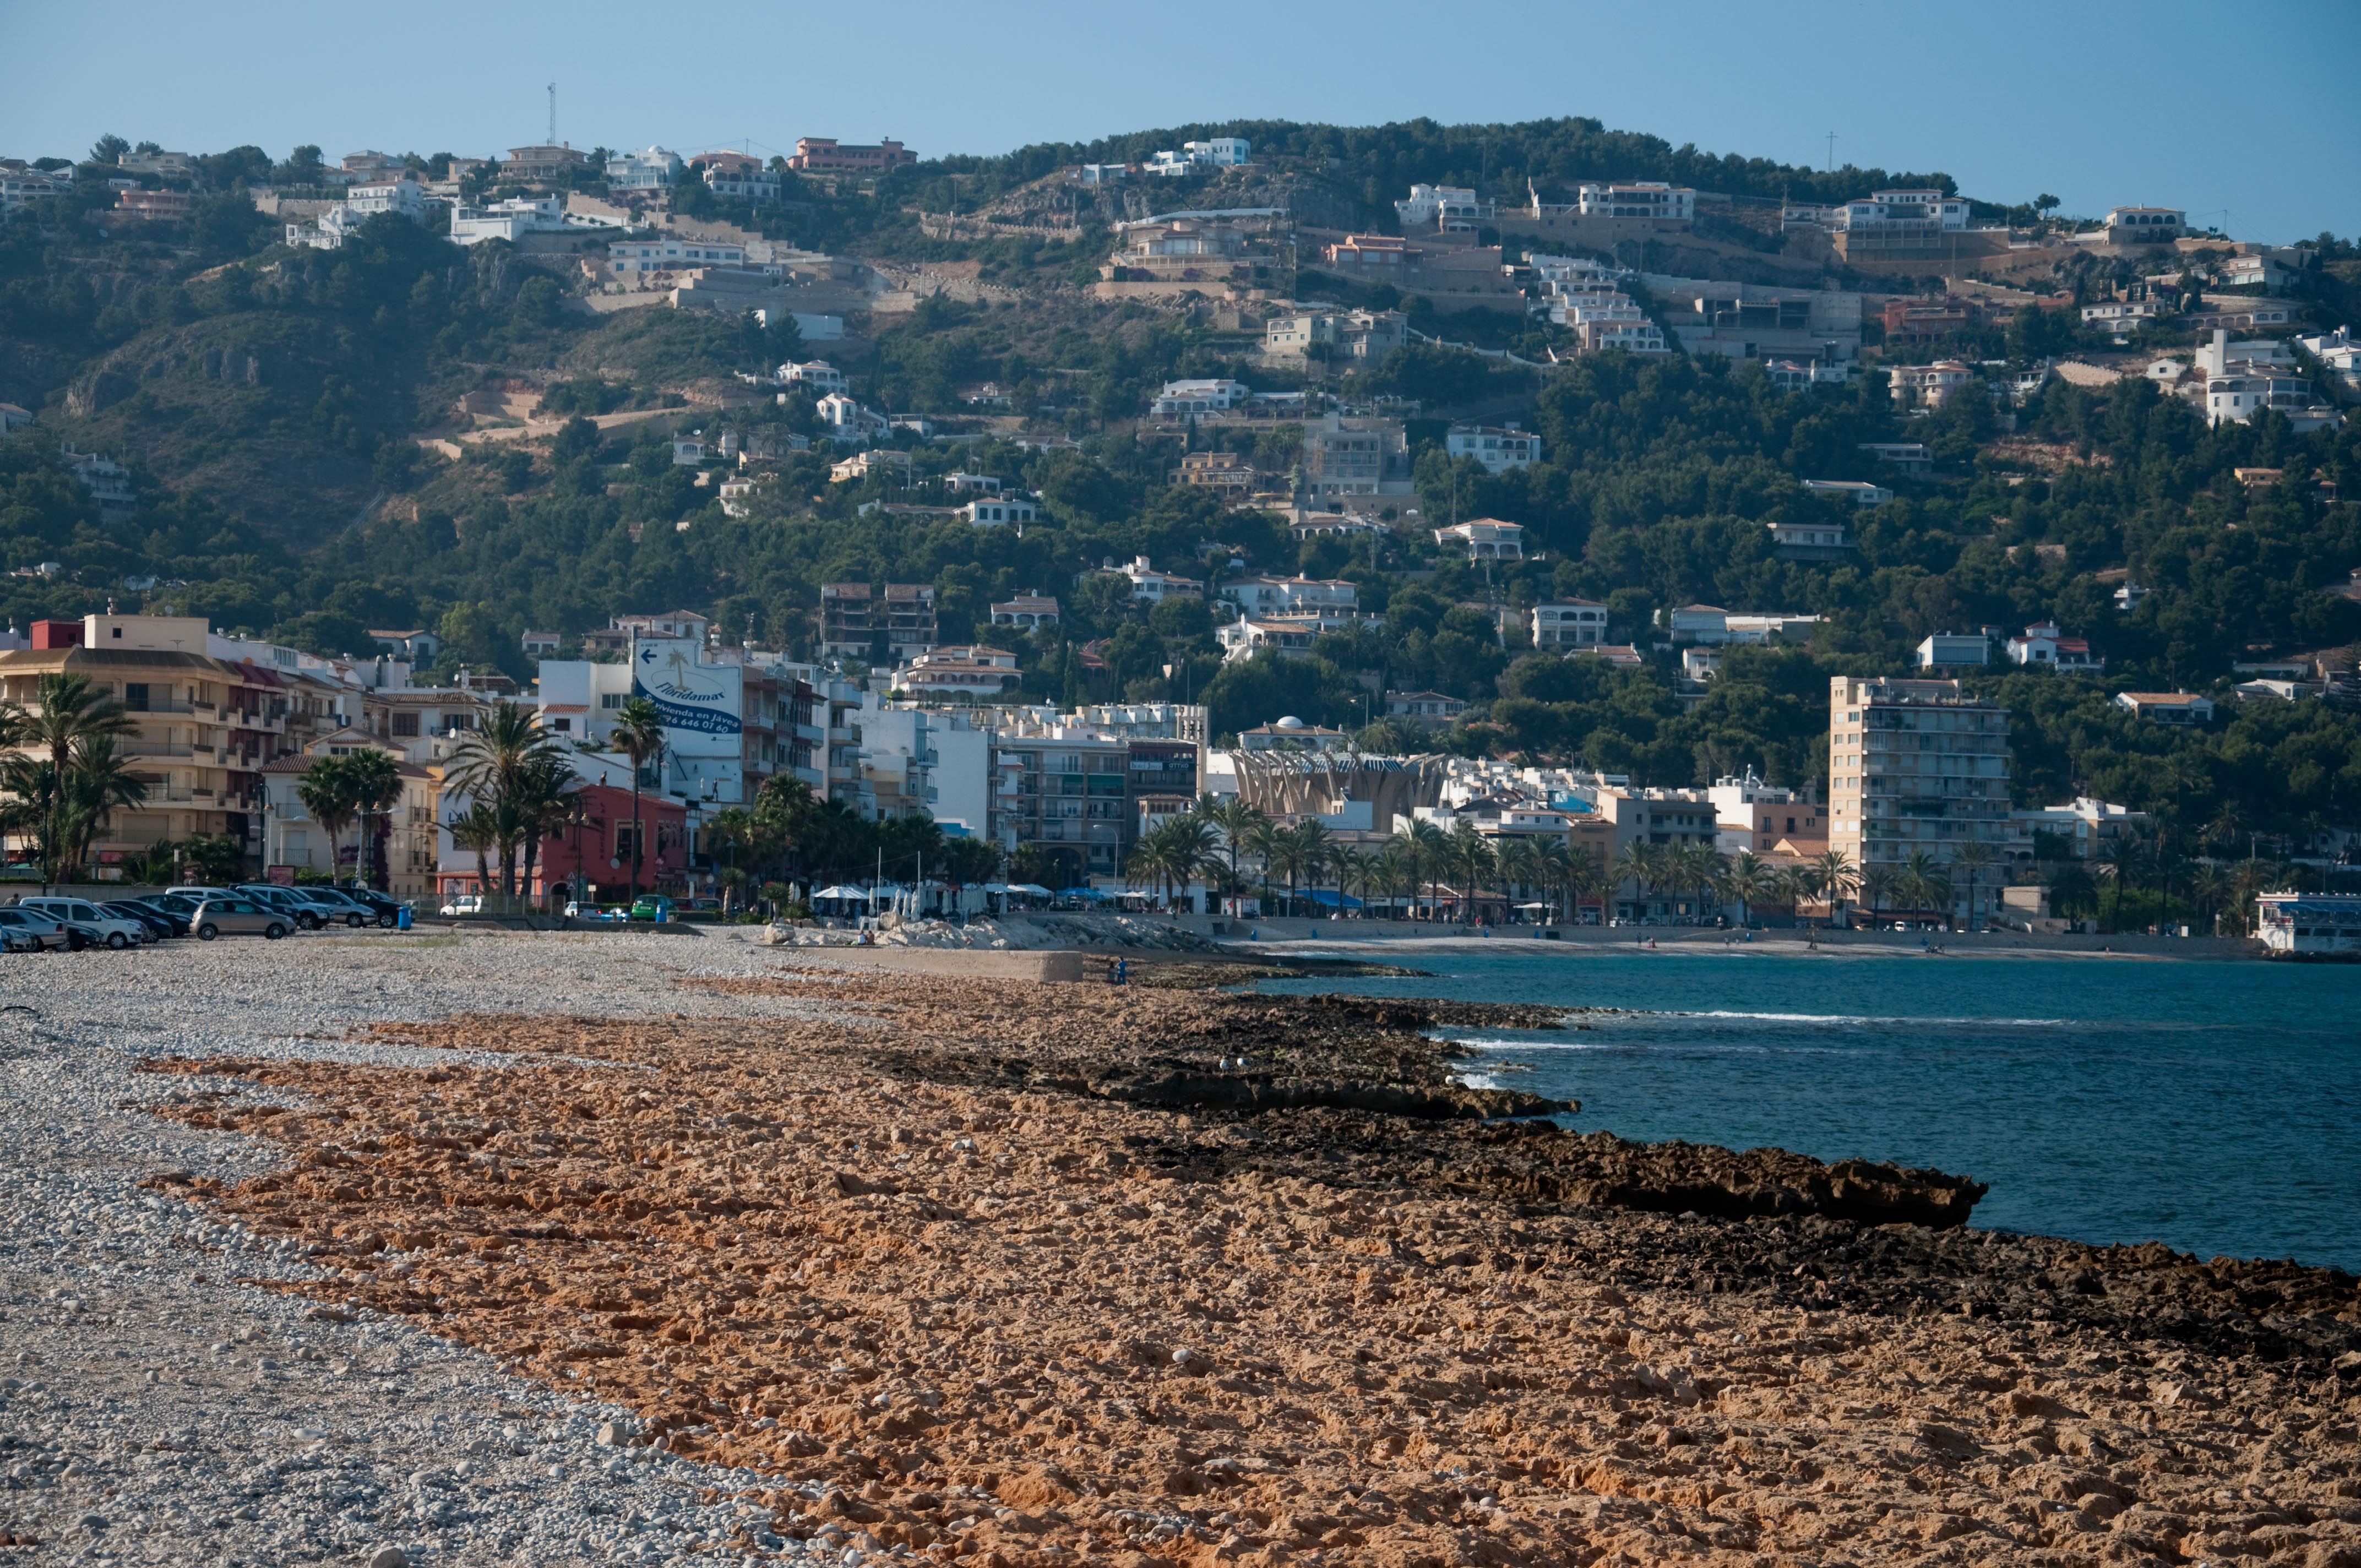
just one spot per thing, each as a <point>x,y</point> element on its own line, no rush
<point>627,835</point>
<point>611,699</point>
<point>405,724</point>
<point>134,695</point>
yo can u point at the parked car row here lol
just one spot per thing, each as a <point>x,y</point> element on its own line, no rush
<point>262,909</point>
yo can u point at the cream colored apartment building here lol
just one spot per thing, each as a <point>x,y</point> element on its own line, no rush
<point>1917,765</point>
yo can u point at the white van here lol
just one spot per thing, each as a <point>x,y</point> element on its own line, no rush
<point>113,929</point>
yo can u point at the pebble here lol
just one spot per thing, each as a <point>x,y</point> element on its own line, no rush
<point>152,1416</point>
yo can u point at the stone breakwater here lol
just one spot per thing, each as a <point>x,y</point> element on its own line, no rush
<point>1034,1274</point>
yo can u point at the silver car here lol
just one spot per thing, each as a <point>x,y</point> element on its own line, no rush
<point>239,917</point>
<point>114,930</point>
<point>31,929</point>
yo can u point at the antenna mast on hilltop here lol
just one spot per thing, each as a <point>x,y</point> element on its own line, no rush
<point>1832,140</point>
<point>553,114</point>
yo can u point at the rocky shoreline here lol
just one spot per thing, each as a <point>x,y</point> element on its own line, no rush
<point>1006,1274</point>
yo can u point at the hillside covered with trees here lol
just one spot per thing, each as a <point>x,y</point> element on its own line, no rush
<point>280,410</point>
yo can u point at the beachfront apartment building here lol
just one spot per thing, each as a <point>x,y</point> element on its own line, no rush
<point>205,718</point>
<point>1918,766</point>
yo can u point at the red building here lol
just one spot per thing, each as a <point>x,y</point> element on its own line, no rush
<point>597,847</point>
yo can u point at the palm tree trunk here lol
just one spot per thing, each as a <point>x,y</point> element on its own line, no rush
<point>636,832</point>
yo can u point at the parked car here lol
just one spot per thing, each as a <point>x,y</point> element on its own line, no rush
<point>386,910</point>
<point>131,909</point>
<point>326,908</point>
<point>337,907</point>
<point>241,918</point>
<point>652,907</point>
<point>285,900</point>
<point>40,932</point>
<point>173,912</point>
<point>463,904</point>
<point>114,930</point>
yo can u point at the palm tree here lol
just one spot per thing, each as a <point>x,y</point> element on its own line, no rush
<point>1517,870</point>
<point>498,762</point>
<point>99,782</point>
<point>1305,854</point>
<point>1265,840</point>
<point>1747,880</point>
<point>372,784</point>
<point>321,788</point>
<point>69,708</point>
<point>1641,865</point>
<point>1429,848</point>
<point>1696,868</point>
<point>1880,885</point>
<point>1585,876</point>
<point>1474,859</point>
<point>1975,858</point>
<point>1390,868</point>
<point>1352,869</point>
<point>731,833</point>
<point>2120,860</point>
<point>2072,891</point>
<point>538,804</point>
<point>1925,883</point>
<point>1191,850</point>
<point>477,832</point>
<point>1552,860</point>
<point>639,735</point>
<point>2207,887</point>
<point>1234,818</point>
<point>2227,827</point>
<point>1839,879</point>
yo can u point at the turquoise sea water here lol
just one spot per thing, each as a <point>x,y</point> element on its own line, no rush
<point>2213,1106</point>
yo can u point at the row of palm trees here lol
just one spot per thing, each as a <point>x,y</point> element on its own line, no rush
<point>2217,893</point>
<point>1220,840</point>
<point>339,792</point>
<point>63,787</point>
<point>519,787</point>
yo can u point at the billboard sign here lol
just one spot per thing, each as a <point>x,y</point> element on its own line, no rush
<point>702,705</point>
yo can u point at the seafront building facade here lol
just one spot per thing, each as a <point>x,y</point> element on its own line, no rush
<point>1918,767</point>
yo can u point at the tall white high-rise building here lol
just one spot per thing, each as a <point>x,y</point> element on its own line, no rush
<point>1918,766</point>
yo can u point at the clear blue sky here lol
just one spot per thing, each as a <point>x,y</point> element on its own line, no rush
<point>2247,117</point>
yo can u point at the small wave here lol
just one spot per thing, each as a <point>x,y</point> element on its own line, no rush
<point>1860,1018</point>
<point>1725,1048</point>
